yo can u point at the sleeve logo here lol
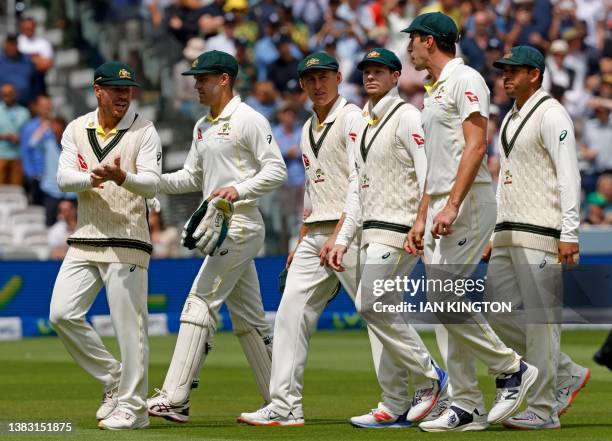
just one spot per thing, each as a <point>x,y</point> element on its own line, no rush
<point>306,161</point>
<point>82,163</point>
<point>200,135</point>
<point>418,139</point>
<point>563,135</point>
<point>471,97</point>
<point>269,138</point>
<point>353,136</point>
<point>158,157</point>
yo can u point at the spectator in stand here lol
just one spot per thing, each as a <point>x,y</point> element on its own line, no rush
<point>563,18</point>
<point>12,119</point>
<point>448,7</point>
<point>264,99</point>
<point>39,50</point>
<point>311,12</point>
<point>212,18</point>
<point>287,133</point>
<point>529,23</point>
<point>182,19</point>
<point>32,157</point>
<point>264,49</point>
<point>247,74</point>
<point>494,52</point>
<point>474,45</point>
<point>17,69</point>
<point>156,9</point>
<point>185,101</point>
<point>297,30</point>
<point>165,240</point>
<point>601,198</point>
<point>225,40</point>
<point>48,142</point>
<point>296,98</point>
<point>62,229</point>
<point>285,67</point>
<point>357,13</point>
<point>596,147</point>
<point>263,9</point>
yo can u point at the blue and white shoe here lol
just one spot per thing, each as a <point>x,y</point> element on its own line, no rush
<point>455,419</point>
<point>511,391</point>
<point>381,418</point>
<point>529,420</point>
<point>425,399</point>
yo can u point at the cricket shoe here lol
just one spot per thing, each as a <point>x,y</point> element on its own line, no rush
<point>381,418</point>
<point>439,408</point>
<point>529,420</point>
<point>123,419</point>
<point>160,406</point>
<point>425,399</point>
<point>109,403</point>
<point>266,416</point>
<point>511,391</point>
<point>568,391</point>
<point>455,419</point>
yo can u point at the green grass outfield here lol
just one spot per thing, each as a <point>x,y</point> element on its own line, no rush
<point>41,383</point>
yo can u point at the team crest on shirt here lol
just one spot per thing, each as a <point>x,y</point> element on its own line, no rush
<point>225,130</point>
<point>471,97</point>
<point>82,163</point>
<point>306,161</point>
<point>319,176</point>
<point>439,95</point>
<point>418,139</point>
<point>365,181</point>
<point>507,177</point>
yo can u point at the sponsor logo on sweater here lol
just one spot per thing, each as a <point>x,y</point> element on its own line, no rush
<point>82,163</point>
<point>418,139</point>
<point>471,97</point>
<point>306,161</point>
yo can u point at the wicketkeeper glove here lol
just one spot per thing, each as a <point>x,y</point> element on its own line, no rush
<point>207,227</point>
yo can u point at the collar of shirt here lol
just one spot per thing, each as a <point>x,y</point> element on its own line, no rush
<point>124,123</point>
<point>227,111</point>
<point>375,114</point>
<point>333,112</point>
<point>447,70</point>
<point>531,101</point>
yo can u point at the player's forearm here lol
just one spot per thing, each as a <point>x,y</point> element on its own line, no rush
<point>73,181</point>
<point>271,176</point>
<point>143,184</point>
<point>468,169</point>
<point>423,205</point>
<point>178,182</point>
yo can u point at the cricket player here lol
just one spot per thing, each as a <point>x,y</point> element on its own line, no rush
<point>112,158</point>
<point>458,211</point>
<point>327,145</point>
<point>233,157</point>
<point>538,214</point>
<point>391,165</point>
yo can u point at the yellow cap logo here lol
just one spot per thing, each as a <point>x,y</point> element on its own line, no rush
<point>508,55</point>
<point>123,74</point>
<point>373,54</point>
<point>312,62</point>
<point>195,63</point>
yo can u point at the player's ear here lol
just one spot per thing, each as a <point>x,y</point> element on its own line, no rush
<point>339,77</point>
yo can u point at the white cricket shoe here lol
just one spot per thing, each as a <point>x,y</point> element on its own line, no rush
<point>109,403</point>
<point>455,419</point>
<point>439,408</point>
<point>160,406</point>
<point>381,418</point>
<point>266,416</point>
<point>568,391</point>
<point>425,399</point>
<point>123,419</point>
<point>511,391</point>
<point>531,421</point>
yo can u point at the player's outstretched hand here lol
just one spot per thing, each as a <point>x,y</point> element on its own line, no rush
<point>443,220</point>
<point>569,253</point>
<point>227,193</point>
<point>334,258</point>
<point>325,249</point>
<point>414,239</point>
<point>486,254</point>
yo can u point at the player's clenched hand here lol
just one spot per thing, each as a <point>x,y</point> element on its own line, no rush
<point>111,171</point>
<point>334,258</point>
<point>325,249</point>
<point>227,193</point>
<point>96,181</point>
<point>486,254</point>
<point>443,220</point>
<point>414,239</point>
<point>569,253</point>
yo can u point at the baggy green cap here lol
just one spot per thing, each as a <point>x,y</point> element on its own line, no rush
<point>437,24</point>
<point>115,73</point>
<point>522,56</point>
<point>382,56</point>
<point>214,62</point>
<point>318,60</point>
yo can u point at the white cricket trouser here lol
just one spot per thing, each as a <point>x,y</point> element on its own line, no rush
<point>531,280</point>
<point>230,277</point>
<point>461,343</point>
<point>76,287</point>
<point>398,337</point>
<point>308,289</point>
